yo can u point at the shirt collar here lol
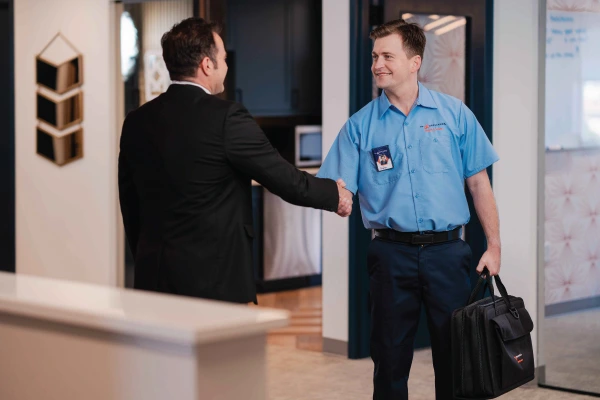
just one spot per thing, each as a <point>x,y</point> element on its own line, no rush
<point>190,83</point>
<point>424,99</point>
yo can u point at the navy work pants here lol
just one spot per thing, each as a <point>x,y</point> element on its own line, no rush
<point>402,278</point>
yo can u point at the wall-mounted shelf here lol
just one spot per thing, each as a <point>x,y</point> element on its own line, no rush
<point>59,74</point>
<point>59,67</point>
<point>60,147</point>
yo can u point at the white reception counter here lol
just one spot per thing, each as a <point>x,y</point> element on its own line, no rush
<point>67,340</point>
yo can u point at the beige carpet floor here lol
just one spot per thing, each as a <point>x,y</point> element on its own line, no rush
<point>307,375</point>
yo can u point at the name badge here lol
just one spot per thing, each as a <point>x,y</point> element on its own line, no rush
<point>383,158</point>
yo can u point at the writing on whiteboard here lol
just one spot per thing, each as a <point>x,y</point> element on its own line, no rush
<point>572,79</point>
<point>564,37</point>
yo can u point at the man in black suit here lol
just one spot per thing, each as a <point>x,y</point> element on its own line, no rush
<point>185,169</point>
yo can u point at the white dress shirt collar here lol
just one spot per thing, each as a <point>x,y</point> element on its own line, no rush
<point>190,83</point>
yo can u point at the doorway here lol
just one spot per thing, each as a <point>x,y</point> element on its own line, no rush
<point>459,45</point>
<point>143,73</point>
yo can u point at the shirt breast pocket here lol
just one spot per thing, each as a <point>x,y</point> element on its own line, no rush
<point>436,153</point>
<point>388,175</point>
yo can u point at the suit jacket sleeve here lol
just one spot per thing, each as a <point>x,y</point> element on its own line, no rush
<point>249,150</point>
<point>128,197</point>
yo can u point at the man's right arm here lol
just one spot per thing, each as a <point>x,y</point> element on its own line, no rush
<point>249,150</point>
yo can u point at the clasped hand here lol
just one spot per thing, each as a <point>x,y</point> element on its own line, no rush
<point>345,204</point>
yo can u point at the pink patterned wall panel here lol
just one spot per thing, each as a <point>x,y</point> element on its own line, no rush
<point>443,67</point>
<point>572,225</point>
<point>574,5</point>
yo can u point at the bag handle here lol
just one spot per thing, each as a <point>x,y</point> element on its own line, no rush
<point>486,280</point>
<point>504,293</point>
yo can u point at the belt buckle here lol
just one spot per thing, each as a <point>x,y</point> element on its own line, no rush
<point>425,238</point>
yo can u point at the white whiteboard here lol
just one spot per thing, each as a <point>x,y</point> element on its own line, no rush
<point>572,80</point>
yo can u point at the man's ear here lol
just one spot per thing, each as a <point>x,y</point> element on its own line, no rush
<point>206,66</point>
<point>416,63</point>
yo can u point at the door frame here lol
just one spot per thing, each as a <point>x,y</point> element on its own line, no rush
<point>478,97</point>
<point>199,7</point>
<point>7,150</point>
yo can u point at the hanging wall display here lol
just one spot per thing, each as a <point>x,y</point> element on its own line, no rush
<point>156,74</point>
<point>59,75</point>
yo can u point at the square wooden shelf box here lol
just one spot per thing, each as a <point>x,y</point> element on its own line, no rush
<point>60,111</point>
<point>60,147</point>
<point>59,67</point>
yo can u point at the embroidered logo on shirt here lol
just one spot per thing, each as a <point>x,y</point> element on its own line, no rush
<point>382,158</point>
<point>433,127</point>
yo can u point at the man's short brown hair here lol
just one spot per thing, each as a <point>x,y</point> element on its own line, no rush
<point>413,37</point>
<point>187,44</point>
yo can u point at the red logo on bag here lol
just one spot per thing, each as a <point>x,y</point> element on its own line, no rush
<point>519,358</point>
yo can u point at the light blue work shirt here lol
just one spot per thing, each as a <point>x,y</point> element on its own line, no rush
<point>433,151</point>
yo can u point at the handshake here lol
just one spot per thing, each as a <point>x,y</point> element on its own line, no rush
<point>345,204</point>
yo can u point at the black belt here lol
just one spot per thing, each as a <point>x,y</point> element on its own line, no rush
<point>418,237</point>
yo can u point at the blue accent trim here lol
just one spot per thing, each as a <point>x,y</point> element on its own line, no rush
<point>7,136</point>
<point>359,237</point>
<point>480,102</point>
<point>572,306</point>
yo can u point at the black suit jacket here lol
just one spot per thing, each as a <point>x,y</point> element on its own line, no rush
<point>185,168</point>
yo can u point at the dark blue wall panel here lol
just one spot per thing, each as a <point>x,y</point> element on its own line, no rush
<point>7,138</point>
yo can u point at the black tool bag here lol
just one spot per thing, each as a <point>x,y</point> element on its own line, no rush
<point>491,344</point>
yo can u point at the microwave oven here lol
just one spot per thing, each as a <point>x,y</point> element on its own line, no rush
<point>309,146</point>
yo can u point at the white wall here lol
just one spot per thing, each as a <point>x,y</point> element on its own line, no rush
<point>66,217</point>
<point>336,108</point>
<point>515,129</point>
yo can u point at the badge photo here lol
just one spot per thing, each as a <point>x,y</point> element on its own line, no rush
<point>382,158</point>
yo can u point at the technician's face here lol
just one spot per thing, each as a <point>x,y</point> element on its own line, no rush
<point>391,66</point>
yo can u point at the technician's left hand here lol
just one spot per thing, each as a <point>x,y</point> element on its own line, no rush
<point>490,260</point>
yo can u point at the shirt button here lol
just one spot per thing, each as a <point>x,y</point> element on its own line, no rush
<point>417,195</point>
<point>412,171</point>
<point>435,140</point>
<point>420,220</point>
<point>406,123</point>
<point>410,146</point>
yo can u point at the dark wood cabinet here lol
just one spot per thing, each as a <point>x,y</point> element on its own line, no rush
<point>277,46</point>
